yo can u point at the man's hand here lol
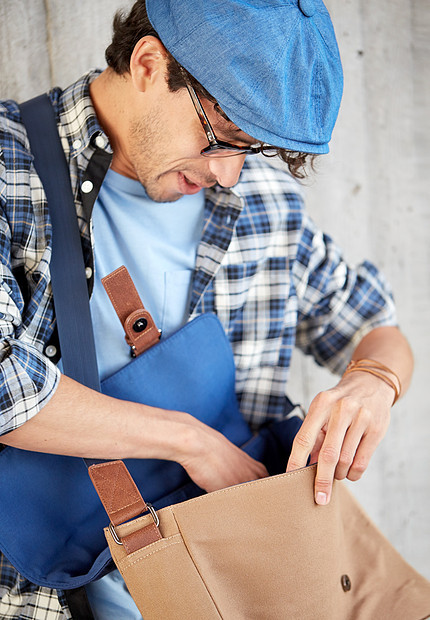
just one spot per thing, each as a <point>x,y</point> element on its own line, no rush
<point>344,425</point>
<point>342,429</point>
<point>213,462</point>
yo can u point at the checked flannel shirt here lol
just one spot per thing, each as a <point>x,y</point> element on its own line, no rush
<point>274,280</point>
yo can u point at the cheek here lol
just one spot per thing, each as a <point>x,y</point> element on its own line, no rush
<point>182,148</point>
<point>187,134</point>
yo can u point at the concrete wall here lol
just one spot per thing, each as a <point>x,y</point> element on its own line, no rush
<point>370,193</point>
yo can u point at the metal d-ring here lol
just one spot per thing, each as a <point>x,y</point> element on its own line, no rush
<point>153,514</point>
<point>114,534</point>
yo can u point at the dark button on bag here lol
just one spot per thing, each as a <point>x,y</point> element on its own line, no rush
<point>346,583</point>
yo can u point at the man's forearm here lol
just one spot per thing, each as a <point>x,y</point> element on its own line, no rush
<point>80,422</point>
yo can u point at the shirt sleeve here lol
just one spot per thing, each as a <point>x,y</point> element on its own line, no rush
<point>28,378</point>
<point>338,304</point>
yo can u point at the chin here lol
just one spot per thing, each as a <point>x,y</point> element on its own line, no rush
<point>160,194</point>
<point>163,195</point>
<point>163,187</point>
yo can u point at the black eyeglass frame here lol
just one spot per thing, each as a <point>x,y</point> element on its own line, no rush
<point>216,147</point>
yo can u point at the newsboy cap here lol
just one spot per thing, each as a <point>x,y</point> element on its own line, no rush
<point>272,65</point>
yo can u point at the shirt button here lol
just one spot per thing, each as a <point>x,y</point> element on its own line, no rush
<point>50,350</point>
<point>88,272</point>
<point>100,142</point>
<point>87,187</point>
<point>77,144</point>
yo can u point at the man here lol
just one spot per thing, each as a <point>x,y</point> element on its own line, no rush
<point>268,77</point>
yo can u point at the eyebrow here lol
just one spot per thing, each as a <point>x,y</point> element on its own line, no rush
<point>229,132</point>
<point>232,134</point>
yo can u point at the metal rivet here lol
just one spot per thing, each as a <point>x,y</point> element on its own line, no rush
<point>346,583</point>
<point>50,350</point>
<point>140,324</point>
<point>87,187</point>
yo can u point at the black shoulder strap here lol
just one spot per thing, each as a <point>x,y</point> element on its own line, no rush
<point>67,267</point>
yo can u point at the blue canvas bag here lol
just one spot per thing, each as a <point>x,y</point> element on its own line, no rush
<point>51,517</point>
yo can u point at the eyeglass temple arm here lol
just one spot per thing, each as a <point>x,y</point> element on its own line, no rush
<point>200,111</point>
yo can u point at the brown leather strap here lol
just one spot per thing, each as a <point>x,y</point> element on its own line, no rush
<point>142,537</point>
<point>141,332</point>
<point>122,502</point>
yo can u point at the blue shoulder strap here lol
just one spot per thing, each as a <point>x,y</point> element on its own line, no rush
<point>67,267</point>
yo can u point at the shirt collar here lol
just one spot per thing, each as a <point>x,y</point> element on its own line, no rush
<point>78,120</point>
<point>80,127</point>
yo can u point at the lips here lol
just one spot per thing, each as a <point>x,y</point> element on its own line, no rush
<point>186,186</point>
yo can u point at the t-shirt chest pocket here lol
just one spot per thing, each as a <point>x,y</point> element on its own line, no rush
<point>176,297</point>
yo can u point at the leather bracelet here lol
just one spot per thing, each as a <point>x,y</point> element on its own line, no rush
<point>373,367</point>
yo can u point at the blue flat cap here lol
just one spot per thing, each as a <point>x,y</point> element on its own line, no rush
<point>272,65</point>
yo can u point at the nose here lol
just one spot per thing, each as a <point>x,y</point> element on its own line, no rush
<point>226,170</point>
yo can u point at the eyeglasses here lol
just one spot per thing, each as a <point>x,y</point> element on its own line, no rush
<point>218,148</point>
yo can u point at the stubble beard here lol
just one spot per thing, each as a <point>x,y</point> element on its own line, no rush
<point>149,149</point>
<point>146,148</point>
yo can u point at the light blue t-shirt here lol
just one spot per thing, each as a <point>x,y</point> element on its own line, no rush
<point>157,242</point>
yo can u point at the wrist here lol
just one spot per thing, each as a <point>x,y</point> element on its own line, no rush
<point>367,386</point>
<point>148,432</point>
<point>179,436</point>
<point>377,370</point>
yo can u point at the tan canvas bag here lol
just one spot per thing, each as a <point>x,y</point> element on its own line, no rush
<point>257,551</point>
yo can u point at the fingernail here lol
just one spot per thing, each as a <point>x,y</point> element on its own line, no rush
<point>321,498</point>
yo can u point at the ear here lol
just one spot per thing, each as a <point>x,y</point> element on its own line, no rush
<point>148,62</point>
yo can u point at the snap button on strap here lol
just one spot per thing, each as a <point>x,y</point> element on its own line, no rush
<point>140,325</point>
<point>141,333</point>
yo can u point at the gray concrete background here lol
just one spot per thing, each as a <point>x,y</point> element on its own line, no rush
<point>370,194</point>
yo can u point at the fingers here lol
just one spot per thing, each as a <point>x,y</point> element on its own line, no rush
<point>329,455</point>
<point>257,469</point>
<point>348,458</point>
<point>341,435</point>
<point>238,467</point>
<point>309,438</point>
<point>318,444</point>
<point>215,463</point>
<point>367,447</point>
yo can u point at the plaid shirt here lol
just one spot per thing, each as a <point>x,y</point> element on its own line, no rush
<point>274,280</point>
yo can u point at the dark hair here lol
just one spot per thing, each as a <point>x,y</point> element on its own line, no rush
<point>129,29</point>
